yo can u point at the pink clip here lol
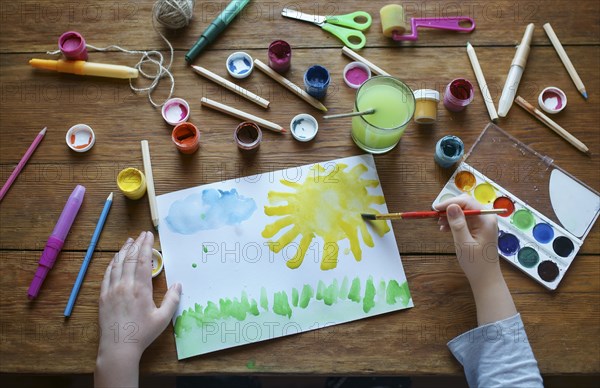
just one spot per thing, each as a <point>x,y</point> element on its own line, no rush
<point>450,23</point>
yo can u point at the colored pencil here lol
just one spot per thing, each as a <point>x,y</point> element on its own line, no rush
<point>22,163</point>
<point>352,114</point>
<point>292,87</point>
<point>88,255</point>
<point>552,125</point>
<point>353,55</point>
<point>150,182</point>
<point>565,59</point>
<point>427,214</point>
<point>231,86</point>
<point>485,91</point>
<point>241,114</point>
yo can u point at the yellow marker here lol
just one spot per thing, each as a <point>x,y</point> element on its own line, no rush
<point>85,68</point>
<point>132,183</point>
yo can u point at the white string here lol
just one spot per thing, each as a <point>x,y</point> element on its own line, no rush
<point>152,57</point>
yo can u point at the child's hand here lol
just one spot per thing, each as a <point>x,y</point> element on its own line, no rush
<point>129,319</point>
<point>475,239</point>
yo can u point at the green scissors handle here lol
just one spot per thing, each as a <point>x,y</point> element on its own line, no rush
<point>349,20</point>
<point>351,38</point>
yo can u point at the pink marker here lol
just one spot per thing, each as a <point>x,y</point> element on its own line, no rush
<point>56,240</point>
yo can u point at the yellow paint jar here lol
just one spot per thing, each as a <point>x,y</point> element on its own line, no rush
<point>426,106</point>
<point>157,263</point>
<point>132,183</point>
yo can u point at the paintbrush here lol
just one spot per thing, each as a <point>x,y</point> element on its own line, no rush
<point>352,114</point>
<point>428,214</point>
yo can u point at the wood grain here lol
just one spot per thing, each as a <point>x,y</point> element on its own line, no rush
<point>561,325</point>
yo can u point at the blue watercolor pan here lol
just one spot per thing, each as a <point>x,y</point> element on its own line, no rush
<point>549,214</point>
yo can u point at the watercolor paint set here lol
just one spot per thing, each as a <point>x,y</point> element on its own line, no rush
<point>549,212</point>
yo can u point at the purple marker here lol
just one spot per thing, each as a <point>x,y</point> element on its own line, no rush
<point>72,46</point>
<point>459,94</point>
<point>56,240</point>
<point>280,56</point>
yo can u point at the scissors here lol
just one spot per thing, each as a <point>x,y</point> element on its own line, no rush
<point>335,25</point>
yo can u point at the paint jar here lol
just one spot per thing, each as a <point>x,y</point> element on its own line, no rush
<point>72,46</point>
<point>239,65</point>
<point>280,56</point>
<point>316,81</point>
<point>355,74</point>
<point>175,111</point>
<point>426,101</point>
<point>448,150</point>
<point>80,138</point>
<point>186,138</point>
<point>132,183</point>
<point>304,127</point>
<point>157,263</point>
<point>394,105</point>
<point>552,100</point>
<point>458,94</point>
<point>247,136</point>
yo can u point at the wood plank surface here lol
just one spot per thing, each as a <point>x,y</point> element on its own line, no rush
<point>563,326</point>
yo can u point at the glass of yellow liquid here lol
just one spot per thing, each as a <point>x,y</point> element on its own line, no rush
<point>394,105</point>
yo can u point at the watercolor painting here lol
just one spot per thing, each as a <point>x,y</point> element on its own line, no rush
<point>279,253</point>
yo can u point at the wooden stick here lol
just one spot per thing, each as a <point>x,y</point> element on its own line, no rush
<point>231,86</point>
<point>297,90</point>
<point>150,182</point>
<point>353,55</point>
<point>241,114</point>
<point>565,59</point>
<point>352,114</point>
<point>552,125</point>
<point>485,91</point>
<point>428,214</point>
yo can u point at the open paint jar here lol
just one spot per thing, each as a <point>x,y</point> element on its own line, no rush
<point>72,46</point>
<point>458,94</point>
<point>552,100</point>
<point>80,138</point>
<point>426,101</point>
<point>247,136</point>
<point>132,183</point>
<point>186,138</point>
<point>239,65</point>
<point>157,263</point>
<point>316,81</point>
<point>448,150</point>
<point>355,74</point>
<point>394,105</point>
<point>280,56</point>
<point>175,111</point>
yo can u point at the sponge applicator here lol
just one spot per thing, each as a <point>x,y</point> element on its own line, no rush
<point>392,20</point>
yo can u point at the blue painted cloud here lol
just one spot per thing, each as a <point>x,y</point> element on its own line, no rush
<point>211,209</point>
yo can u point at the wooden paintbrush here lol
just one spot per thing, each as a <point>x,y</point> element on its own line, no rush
<point>427,214</point>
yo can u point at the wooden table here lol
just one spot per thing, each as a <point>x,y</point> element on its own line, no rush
<point>563,326</point>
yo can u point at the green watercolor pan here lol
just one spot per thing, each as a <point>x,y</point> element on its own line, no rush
<point>549,211</point>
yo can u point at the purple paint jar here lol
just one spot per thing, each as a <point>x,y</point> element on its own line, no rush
<point>72,46</point>
<point>458,94</point>
<point>280,56</point>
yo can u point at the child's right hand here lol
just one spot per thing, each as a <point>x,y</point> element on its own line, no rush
<point>475,239</point>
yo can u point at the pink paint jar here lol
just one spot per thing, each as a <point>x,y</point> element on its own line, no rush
<point>186,138</point>
<point>247,136</point>
<point>72,46</point>
<point>458,94</point>
<point>280,56</point>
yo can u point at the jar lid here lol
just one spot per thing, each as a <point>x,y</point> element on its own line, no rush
<point>239,65</point>
<point>427,94</point>
<point>552,100</point>
<point>304,127</point>
<point>80,138</point>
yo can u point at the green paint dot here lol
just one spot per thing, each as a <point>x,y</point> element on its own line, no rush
<point>354,293</point>
<point>395,292</point>
<point>264,301</point>
<point>305,295</point>
<point>344,288</point>
<point>528,257</point>
<point>204,249</point>
<point>194,265</point>
<point>251,364</point>
<point>369,299</point>
<point>295,297</point>
<point>281,305</point>
<point>330,295</point>
<point>523,219</point>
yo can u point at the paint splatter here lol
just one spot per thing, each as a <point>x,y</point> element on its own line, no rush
<point>204,249</point>
<point>194,265</point>
<point>251,364</point>
<point>390,293</point>
<point>327,204</point>
<point>211,209</point>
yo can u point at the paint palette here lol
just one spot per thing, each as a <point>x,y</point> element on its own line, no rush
<point>549,212</point>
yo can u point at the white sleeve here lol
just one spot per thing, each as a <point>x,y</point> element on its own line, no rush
<point>497,355</point>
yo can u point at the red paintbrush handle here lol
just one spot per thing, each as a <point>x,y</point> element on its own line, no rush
<point>434,214</point>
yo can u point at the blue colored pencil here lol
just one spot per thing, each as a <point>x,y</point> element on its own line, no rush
<point>88,256</point>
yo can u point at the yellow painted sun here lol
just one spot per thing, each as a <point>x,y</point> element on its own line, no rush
<point>327,204</point>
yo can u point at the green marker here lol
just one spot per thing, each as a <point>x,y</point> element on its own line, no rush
<point>215,28</point>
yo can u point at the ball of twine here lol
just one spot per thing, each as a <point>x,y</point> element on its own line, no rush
<point>173,14</point>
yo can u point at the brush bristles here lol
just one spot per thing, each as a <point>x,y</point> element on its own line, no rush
<point>369,216</point>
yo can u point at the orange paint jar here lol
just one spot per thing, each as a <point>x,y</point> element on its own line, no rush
<point>186,138</point>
